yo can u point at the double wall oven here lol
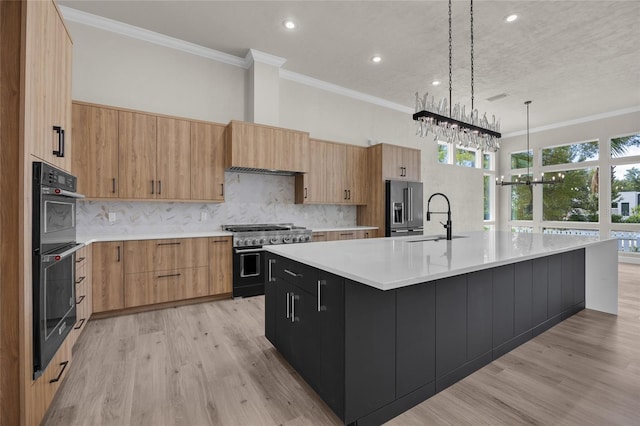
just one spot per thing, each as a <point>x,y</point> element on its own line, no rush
<point>53,261</point>
<point>248,255</point>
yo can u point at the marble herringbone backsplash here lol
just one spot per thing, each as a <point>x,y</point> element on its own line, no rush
<point>249,198</point>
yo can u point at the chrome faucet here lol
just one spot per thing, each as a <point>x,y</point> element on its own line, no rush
<point>447,225</point>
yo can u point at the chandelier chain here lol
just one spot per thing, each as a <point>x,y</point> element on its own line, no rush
<point>471,12</point>
<point>450,60</point>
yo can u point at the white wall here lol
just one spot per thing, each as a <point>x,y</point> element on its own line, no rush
<point>117,70</point>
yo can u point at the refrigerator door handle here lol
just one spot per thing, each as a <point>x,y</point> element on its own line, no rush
<point>410,209</point>
<point>405,196</point>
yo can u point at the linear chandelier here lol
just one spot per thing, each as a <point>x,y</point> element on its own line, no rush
<point>456,127</point>
<point>559,178</point>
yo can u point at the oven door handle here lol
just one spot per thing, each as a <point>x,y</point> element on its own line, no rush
<point>57,191</point>
<point>55,257</point>
<point>255,250</point>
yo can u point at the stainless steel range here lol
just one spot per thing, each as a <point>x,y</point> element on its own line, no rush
<point>248,272</point>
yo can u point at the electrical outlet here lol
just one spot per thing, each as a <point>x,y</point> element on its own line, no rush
<point>112,216</point>
<point>203,216</point>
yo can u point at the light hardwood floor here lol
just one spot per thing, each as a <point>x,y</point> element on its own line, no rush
<point>210,364</point>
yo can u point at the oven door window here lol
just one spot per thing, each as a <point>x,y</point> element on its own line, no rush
<point>59,297</point>
<point>59,215</point>
<point>249,264</point>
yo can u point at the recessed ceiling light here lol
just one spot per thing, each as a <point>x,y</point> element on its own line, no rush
<point>376,59</point>
<point>289,24</point>
<point>511,18</point>
<point>435,82</point>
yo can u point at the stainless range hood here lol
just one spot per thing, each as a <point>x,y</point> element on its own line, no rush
<point>262,171</point>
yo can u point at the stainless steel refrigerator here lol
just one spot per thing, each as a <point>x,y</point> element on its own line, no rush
<point>404,208</point>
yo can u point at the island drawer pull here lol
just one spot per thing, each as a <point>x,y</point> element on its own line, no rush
<point>64,367</point>
<point>270,277</point>
<point>293,307</point>
<point>293,274</point>
<point>320,306</point>
<point>288,305</point>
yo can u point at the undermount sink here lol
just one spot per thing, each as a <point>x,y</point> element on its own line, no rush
<point>436,238</point>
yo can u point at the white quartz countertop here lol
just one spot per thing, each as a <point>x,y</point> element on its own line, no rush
<point>389,263</point>
<point>88,239</point>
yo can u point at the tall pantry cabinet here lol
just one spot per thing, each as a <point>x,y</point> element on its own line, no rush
<point>35,111</point>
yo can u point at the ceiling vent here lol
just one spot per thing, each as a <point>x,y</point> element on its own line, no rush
<point>497,97</point>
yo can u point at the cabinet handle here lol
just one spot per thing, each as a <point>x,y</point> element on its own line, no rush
<point>271,262</point>
<point>113,185</point>
<point>60,151</point>
<point>79,301</point>
<point>222,189</point>
<point>293,274</point>
<point>80,280</point>
<point>217,241</point>
<point>288,306</point>
<point>293,307</point>
<point>64,366</point>
<point>366,235</point>
<point>345,194</point>
<point>80,324</point>
<point>159,187</point>
<point>349,191</point>
<point>305,193</point>
<point>168,276</point>
<point>320,284</point>
<point>118,251</point>
<point>347,234</point>
<point>153,182</point>
<point>80,259</point>
<point>169,244</point>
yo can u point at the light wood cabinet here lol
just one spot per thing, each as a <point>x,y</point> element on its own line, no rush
<point>399,163</point>
<point>220,265</point>
<point>137,155</point>
<point>254,146</point>
<point>207,161</point>
<point>158,271</point>
<point>107,271</point>
<point>356,175</point>
<point>47,84</point>
<point>84,291</point>
<point>173,154</point>
<point>312,187</point>
<point>346,234</point>
<point>95,150</point>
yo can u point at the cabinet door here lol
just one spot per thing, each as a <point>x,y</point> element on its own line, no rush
<point>312,187</point>
<point>503,305</point>
<point>392,162</point>
<point>356,175</point>
<point>220,265</point>
<point>95,150</point>
<point>207,162</point>
<point>479,314</point>
<point>319,236</point>
<point>137,155</point>
<point>108,287</point>
<point>173,154</point>
<point>251,146</point>
<point>411,162</point>
<point>346,235</point>
<point>291,150</point>
<point>336,174</point>
<point>270,299</point>
<point>451,324</point>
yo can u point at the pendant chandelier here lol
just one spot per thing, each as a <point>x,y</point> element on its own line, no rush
<point>451,123</point>
<point>559,178</point>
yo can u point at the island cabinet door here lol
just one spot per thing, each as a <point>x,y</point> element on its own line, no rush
<point>503,309</point>
<point>554,292</point>
<point>578,277</point>
<point>270,299</point>
<point>451,328</point>
<point>416,336</point>
<point>523,297</point>
<point>370,354</point>
<point>540,284</point>
<point>330,307</point>
<point>479,314</point>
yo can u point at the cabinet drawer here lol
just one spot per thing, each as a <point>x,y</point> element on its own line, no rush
<point>83,306</point>
<point>166,286</point>
<point>81,257</point>
<point>165,255</point>
<point>298,274</point>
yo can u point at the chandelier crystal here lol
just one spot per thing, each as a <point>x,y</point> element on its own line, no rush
<point>451,123</point>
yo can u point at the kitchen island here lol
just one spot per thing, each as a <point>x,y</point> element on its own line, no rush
<point>377,326</point>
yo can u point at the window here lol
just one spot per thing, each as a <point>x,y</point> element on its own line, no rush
<point>488,186</point>
<point>486,162</point>
<point>521,160</point>
<point>521,200</point>
<point>624,209</point>
<point>465,157</point>
<point>443,153</point>
<point>625,179</point>
<point>576,199</point>
<point>573,153</point>
<point>626,146</point>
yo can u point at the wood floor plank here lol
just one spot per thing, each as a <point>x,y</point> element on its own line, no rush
<point>210,364</point>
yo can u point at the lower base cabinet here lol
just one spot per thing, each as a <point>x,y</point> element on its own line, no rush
<point>146,288</point>
<point>373,354</point>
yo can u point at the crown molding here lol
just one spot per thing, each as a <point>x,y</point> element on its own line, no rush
<point>340,90</point>
<point>576,121</point>
<point>254,55</point>
<point>127,30</point>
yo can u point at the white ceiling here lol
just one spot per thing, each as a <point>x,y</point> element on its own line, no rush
<point>572,58</point>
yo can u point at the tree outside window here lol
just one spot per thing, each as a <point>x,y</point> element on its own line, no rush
<point>521,200</point>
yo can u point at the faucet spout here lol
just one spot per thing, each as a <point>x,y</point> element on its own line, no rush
<point>448,225</point>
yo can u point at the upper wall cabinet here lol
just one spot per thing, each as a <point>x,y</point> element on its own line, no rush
<point>399,163</point>
<point>133,155</point>
<point>47,94</point>
<point>254,146</point>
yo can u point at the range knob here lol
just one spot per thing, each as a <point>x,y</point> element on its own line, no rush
<point>307,238</point>
<point>286,239</point>
<point>256,242</point>
<point>262,241</point>
<point>238,242</point>
<point>273,240</point>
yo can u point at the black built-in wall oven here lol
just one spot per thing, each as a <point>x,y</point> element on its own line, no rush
<point>53,261</point>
